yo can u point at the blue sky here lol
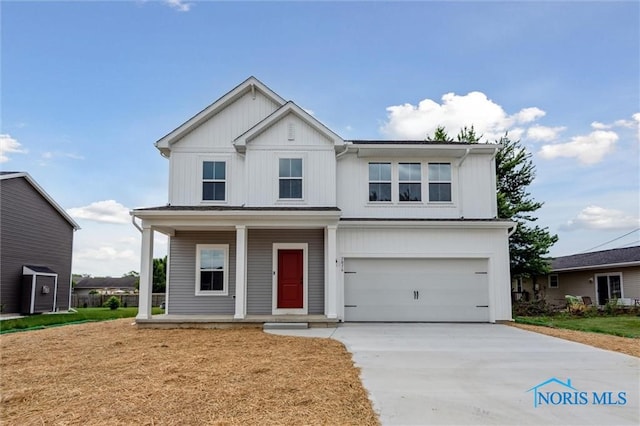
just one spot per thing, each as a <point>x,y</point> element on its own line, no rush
<point>87,87</point>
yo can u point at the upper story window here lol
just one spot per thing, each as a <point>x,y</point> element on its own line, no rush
<point>212,269</point>
<point>439,182</point>
<point>379,181</point>
<point>290,178</point>
<point>214,176</point>
<point>410,181</point>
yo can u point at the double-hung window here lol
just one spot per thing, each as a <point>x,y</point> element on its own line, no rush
<point>409,182</point>
<point>212,269</point>
<point>290,182</point>
<point>214,184</point>
<point>379,181</point>
<point>439,182</point>
<point>554,281</point>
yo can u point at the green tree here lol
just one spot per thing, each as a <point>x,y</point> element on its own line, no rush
<point>515,171</point>
<point>160,275</point>
<point>529,244</point>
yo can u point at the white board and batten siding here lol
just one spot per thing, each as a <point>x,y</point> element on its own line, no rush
<point>291,138</point>
<point>450,261</point>
<point>473,190</point>
<point>214,140</point>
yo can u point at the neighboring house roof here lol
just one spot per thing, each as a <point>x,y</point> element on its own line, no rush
<point>249,85</point>
<point>34,184</point>
<point>628,256</point>
<point>108,282</point>
<point>286,109</point>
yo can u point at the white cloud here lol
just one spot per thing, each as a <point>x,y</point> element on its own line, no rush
<point>179,5</point>
<point>488,118</point>
<point>108,211</point>
<point>9,145</point>
<point>600,126</point>
<point>50,155</point>
<point>600,218</point>
<point>636,117</point>
<point>588,149</point>
<point>544,133</point>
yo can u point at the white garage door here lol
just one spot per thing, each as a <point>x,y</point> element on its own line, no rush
<point>416,290</point>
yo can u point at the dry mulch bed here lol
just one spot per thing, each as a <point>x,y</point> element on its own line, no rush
<point>624,345</point>
<point>114,373</point>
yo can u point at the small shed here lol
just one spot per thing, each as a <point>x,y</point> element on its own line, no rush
<point>39,289</point>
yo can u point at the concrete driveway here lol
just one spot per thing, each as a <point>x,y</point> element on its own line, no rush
<point>477,374</point>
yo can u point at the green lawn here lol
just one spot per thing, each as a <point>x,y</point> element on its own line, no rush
<point>83,315</point>
<point>621,325</point>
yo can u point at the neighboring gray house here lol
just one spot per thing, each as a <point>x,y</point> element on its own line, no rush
<point>107,285</point>
<point>36,241</point>
<point>601,276</point>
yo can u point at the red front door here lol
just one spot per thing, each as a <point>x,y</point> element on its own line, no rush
<point>290,279</point>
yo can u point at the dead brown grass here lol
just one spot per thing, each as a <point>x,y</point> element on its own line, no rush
<point>115,373</point>
<point>624,345</point>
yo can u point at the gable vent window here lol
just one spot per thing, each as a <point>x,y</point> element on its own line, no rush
<point>409,186</point>
<point>214,175</point>
<point>379,181</point>
<point>290,182</point>
<point>439,182</point>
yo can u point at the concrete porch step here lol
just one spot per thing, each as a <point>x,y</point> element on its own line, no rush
<point>285,325</point>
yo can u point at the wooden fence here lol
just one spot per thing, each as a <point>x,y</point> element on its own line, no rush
<point>126,300</point>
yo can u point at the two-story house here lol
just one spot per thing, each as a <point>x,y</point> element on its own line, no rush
<point>274,217</point>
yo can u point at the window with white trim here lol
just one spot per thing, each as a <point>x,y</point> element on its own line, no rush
<point>609,287</point>
<point>379,181</point>
<point>212,269</point>
<point>410,181</point>
<point>554,281</point>
<point>214,180</point>
<point>290,178</point>
<point>440,182</point>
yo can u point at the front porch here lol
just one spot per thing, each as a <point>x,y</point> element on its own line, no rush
<point>228,321</point>
<point>269,265</point>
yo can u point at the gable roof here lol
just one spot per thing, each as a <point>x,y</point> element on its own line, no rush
<point>107,282</point>
<point>289,108</point>
<point>249,85</point>
<point>628,256</point>
<point>34,184</point>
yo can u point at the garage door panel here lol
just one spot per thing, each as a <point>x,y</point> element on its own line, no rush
<point>416,290</point>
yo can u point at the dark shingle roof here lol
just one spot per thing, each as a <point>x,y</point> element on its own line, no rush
<point>108,282</point>
<point>597,258</point>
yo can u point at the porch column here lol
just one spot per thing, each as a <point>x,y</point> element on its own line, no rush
<point>241,263</point>
<point>146,274</point>
<point>330,309</point>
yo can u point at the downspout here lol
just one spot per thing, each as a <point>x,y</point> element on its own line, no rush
<point>340,154</point>
<point>512,230</point>
<point>460,188</point>
<point>133,220</point>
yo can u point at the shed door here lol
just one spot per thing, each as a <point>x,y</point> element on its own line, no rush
<point>416,290</point>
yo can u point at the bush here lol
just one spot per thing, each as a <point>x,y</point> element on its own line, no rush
<point>112,303</point>
<point>523,308</point>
